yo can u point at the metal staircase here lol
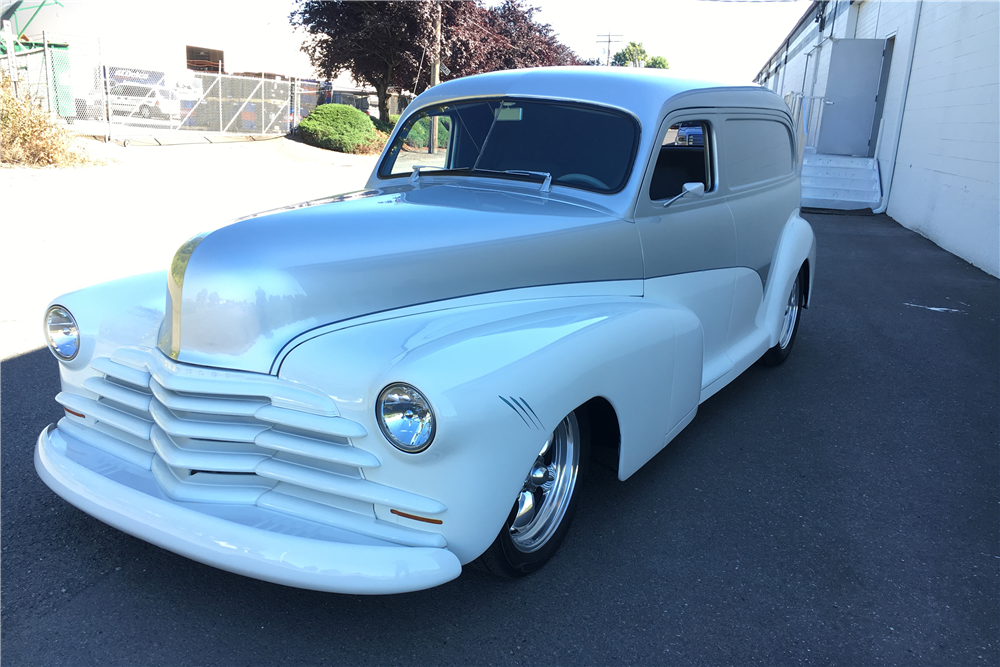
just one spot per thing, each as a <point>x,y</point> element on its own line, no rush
<point>840,182</point>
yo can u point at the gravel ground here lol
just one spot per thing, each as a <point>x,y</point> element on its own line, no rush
<point>65,229</point>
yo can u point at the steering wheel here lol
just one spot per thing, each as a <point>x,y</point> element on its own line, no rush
<point>582,179</point>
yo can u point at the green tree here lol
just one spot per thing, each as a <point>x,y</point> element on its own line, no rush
<point>658,62</point>
<point>632,55</point>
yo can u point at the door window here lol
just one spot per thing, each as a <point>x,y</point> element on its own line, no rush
<point>684,157</point>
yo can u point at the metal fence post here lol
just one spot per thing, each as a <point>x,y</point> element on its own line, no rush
<point>262,87</point>
<point>220,96</point>
<point>47,61</point>
<point>8,39</point>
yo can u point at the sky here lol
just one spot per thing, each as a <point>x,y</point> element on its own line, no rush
<point>722,41</point>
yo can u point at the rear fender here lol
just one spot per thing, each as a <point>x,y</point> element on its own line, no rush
<point>500,378</point>
<point>796,246</point>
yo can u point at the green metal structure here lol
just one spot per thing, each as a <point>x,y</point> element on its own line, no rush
<point>18,14</point>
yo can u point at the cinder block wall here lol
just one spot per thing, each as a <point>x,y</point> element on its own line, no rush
<point>946,178</point>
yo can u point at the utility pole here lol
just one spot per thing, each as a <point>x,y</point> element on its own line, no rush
<point>608,40</point>
<point>432,139</point>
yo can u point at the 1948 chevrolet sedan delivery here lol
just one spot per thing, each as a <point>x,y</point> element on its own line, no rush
<point>361,394</point>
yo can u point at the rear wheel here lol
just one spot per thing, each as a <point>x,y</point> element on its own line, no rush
<point>789,325</point>
<point>543,510</point>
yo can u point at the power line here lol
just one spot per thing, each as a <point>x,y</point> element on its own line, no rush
<point>609,41</point>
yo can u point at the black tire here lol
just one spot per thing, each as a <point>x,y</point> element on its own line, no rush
<point>518,553</point>
<point>789,326</point>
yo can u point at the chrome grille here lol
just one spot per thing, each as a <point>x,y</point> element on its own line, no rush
<point>213,436</point>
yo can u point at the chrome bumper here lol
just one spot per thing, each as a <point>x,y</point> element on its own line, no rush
<point>247,540</point>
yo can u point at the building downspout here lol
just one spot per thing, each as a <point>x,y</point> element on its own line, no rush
<point>884,204</point>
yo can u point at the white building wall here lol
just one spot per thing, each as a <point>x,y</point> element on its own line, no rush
<point>946,183</point>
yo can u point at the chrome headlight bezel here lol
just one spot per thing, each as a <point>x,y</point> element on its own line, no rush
<point>62,333</point>
<point>405,417</point>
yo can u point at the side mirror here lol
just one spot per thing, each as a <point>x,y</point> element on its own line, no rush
<point>696,190</point>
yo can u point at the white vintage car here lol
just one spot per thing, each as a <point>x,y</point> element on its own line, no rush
<point>364,393</point>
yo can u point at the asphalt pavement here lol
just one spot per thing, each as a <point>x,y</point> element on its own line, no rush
<point>840,509</point>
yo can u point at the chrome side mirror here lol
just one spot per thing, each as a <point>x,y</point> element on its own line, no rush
<point>696,190</point>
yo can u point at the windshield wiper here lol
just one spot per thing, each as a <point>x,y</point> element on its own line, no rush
<point>418,167</point>
<point>546,184</point>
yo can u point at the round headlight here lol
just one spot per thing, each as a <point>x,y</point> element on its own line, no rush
<point>405,417</point>
<point>62,333</point>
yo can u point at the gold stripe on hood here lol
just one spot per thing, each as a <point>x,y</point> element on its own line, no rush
<point>170,335</point>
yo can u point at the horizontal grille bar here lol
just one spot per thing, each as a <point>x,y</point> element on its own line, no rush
<point>212,406</point>
<point>195,380</point>
<point>205,454</point>
<point>328,425</point>
<point>356,523</point>
<point>116,370</point>
<point>317,449</point>
<point>116,392</point>
<point>105,413</point>
<point>209,488</point>
<point>360,489</point>
<point>106,443</point>
<point>204,430</point>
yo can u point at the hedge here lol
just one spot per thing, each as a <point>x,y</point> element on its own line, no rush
<point>338,127</point>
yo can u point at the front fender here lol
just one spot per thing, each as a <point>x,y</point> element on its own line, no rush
<point>111,315</point>
<point>476,364</point>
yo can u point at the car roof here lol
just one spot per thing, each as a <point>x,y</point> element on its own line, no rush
<point>643,92</point>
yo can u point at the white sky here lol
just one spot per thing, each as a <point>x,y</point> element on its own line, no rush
<point>723,41</point>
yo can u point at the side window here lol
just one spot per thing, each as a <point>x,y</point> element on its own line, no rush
<point>685,157</point>
<point>416,145</point>
<point>756,150</point>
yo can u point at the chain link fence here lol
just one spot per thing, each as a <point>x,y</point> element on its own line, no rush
<point>121,103</point>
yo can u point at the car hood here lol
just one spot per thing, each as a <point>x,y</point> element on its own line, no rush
<point>238,295</point>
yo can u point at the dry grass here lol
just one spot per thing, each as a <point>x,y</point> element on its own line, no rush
<point>29,137</point>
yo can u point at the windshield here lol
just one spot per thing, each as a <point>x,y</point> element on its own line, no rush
<point>578,146</point>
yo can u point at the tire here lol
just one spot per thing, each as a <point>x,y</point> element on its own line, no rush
<point>789,325</point>
<point>519,550</point>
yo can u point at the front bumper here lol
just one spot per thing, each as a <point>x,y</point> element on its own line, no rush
<point>247,540</point>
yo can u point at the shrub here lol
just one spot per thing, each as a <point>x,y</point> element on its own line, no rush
<point>386,126</point>
<point>28,136</point>
<point>419,134</point>
<point>338,127</point>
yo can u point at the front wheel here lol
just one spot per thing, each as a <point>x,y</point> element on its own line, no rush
<point>543,510</point>
<point>789,325</point>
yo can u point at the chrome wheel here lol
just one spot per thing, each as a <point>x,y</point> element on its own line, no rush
<point>791,316</point>
<point>789,324</point>
<point>548,488</point>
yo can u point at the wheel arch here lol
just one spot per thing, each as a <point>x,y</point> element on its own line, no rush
<point>605,432</point>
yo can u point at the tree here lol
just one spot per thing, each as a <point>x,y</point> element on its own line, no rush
<point>374,41</point>
<point>386,44</point>
<point>480,39</point>
<point>632,55</point>
<point>658,62</point>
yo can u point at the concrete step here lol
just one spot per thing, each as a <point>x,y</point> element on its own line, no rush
<point>837,161</point>
<point>866,197</point>
<point>838,172</point>
<point>866,182</point>
<point>840,182</point>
